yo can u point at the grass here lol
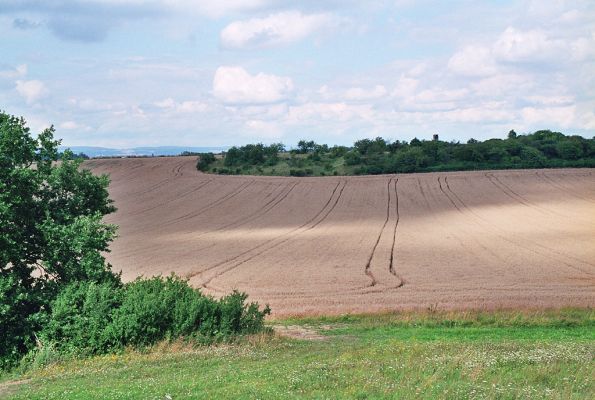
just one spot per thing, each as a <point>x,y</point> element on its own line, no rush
<point>502,354</point>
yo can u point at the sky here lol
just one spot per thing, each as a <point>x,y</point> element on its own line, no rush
<point>126,73</point>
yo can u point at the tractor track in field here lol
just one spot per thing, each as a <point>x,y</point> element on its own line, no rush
<point>502,235</point>
<point>563,189</point>
<point>266,208</point>
<point>367,266</point>
<point>391,267</point>
<point>177,198</point>
<point>271,242</point>
<point>219,201</point>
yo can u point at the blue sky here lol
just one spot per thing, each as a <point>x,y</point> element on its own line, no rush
<point>125,73</point>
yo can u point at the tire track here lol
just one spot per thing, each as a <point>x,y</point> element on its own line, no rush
<point>271,242</point>
<point>502,236</point>
<point>221,200</point>
<point>521,199</point>
<point>560,187</point>
<point>367,267</point>
<point>391,267</point>
<point>181,196</point>
<point>258,213</point>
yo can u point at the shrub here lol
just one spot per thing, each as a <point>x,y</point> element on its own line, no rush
<point>82,316</point>
<point>92,318</point>
<point>297,172</point>
<point>204,161</point>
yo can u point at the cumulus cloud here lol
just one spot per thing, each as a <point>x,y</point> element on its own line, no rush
<point>515,45</point>
<point>188,106</point>
<point>472,61</point>
<point>281,28</point>
<point>358,93</point>
<point>72,125</point>
<point>16,72</point>
<point>235,85</point>
<point>405,87</point>
<point>549,116</point>
<point>32,90</point>
<point>338,111</point>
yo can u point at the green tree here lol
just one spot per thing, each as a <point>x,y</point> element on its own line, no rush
<point>51,230</point>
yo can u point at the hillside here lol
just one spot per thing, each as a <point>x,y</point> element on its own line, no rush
<point>357,244</point>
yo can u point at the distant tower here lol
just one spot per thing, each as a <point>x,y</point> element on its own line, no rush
<point>435,137</point>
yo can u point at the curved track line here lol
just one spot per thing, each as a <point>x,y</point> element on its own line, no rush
<point>494,227</point>
<point>181,196</point>
<point>274,245</point>
<point>256,214</point>
<point>215,203</point>
<point>559,186</point>
<point>521,199</point>
<point>367,267</point>
<point>391,267</point>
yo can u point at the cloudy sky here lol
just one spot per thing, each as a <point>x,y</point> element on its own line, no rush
<point>123,73</point>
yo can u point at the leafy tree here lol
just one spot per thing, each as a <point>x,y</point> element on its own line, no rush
<point>569,150</point>
<point>51,230</point>
<point>204,161</point>
<point>305,146</point>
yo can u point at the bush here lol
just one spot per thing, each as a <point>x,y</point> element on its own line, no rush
<point>82,317</point>
<point>297,172</point>
<point>204,161</point>
<point>92,318</point>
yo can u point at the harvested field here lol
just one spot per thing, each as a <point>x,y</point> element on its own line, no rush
<point>483,239</point>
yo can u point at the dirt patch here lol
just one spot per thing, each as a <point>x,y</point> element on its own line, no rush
<point>299,332</point>
<point>9,388</point>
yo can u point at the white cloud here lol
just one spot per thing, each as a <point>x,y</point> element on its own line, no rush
<point>216,8</point>
<point>281,28</point>
<point>32,90</point>
<point>365,94</point>
<point>267,129</point>
<point>19,71</point>
<point>550,100</point>
<point>405,87</point>
<point>69,125</point>
<point>583,49</point>
<point>312,112</point>
<point>188,106</point>
<point>235,85</point>
<point>549,116</point>
<point>526,46</point>
<point>503,85</point>
<point>165,103</point>
<point>72,125</point>
<point>472,61</point>
<point>192,107</point>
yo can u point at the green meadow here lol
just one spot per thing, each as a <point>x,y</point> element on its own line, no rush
<point>421,355</point>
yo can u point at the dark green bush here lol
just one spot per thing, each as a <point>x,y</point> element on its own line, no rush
<point>204,161</point>
<point>81,320</point>
<point>92,318</point>
<point>297,172</point>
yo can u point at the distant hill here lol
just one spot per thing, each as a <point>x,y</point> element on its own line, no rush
<point>92,151</point>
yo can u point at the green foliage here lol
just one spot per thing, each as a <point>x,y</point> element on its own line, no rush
<point>96,318</point>
<point>57,293</point>
<point>253,154</point>
<point>437,355</point>
<point>204,161</point>
<point>51,232</point>
<point>540,149</point>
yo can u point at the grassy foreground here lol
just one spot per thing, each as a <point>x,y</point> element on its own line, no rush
<point>541,354</point>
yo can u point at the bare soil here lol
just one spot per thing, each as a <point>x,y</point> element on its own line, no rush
<point>457,240</point>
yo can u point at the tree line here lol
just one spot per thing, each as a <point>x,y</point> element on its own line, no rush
<point>541,149</point>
